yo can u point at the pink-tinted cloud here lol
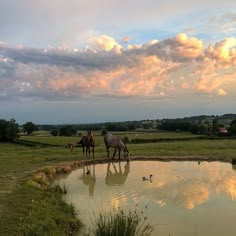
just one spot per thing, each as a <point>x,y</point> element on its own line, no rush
<point>223,51</point>
<point>157,68</point>
<point>185,85</point>
<point>186,47</point>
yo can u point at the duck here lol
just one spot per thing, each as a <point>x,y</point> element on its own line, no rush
<point>146,178</point>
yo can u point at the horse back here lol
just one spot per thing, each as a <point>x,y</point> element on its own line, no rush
<point>113,141</point>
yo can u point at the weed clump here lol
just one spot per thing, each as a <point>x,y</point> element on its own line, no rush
<point>119,223</point>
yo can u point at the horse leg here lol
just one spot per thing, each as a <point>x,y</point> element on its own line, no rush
<point>114,153</point>
<point>108,152</point>
<point>86,152</point>
<point>83,149</point>
<point>89,150</point>
<point>93,151</point>
<point>119,154</point>
<point>69,146</point>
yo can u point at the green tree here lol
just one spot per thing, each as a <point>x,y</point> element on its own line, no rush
<point>54,132</point>
<point>67,131</point>
<point>104,132</point>
<point>194,128</point>
<point>8,130</point>
<point>232,128</point>
<point>215,125</point>
<point>29,127</point>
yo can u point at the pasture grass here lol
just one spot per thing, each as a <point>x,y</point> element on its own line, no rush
<point>33,211</point>
<point>24,208</point>
<point>224,148</point>
<point>143,135</point>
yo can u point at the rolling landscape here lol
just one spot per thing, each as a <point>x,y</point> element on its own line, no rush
<point>117,118</point>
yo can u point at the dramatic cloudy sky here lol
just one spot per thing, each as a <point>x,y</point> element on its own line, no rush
<point>93,61</point>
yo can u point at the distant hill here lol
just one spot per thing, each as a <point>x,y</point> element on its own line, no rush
<point>182,124</point>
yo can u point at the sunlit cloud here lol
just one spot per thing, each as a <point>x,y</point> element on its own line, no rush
<point>222,92</point>
<point>156,69</point>
<point>223,52</point>
<point>106,43</point>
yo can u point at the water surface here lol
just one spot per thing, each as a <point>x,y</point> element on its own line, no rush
<point>183,198</point>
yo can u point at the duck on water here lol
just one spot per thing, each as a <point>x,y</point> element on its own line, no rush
<point>147,178</point>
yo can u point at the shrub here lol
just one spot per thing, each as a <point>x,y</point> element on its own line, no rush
<point>54,132</point>
<point>104,132</point>
<point>8,130</point>
<point>119,223</point>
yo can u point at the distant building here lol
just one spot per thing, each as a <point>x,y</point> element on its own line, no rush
<point>222,131</point>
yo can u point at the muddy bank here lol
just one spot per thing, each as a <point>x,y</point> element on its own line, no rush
<point>182,158</point>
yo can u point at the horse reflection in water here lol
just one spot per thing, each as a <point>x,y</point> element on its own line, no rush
<point>234,164</point>
<point>117,176</point>
<point>88,177</point>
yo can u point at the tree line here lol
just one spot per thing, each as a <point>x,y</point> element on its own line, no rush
<point>10,129</point>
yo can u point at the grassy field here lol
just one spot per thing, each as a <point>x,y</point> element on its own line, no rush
<point>152,134</point>
<point>24,208</point>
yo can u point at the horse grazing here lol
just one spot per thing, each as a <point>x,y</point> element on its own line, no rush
<point>87,142</point>
<point>117,143</point>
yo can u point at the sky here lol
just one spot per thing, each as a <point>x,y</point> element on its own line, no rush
<point>97,61</point>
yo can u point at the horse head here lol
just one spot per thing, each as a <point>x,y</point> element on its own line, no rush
<point>126,153</point>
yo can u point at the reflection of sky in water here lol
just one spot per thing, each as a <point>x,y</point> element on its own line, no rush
<point>184,198</point>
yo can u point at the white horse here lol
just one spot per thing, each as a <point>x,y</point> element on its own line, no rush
<point>117,143</point>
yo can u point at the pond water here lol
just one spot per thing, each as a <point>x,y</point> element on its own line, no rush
<point>183,199</point>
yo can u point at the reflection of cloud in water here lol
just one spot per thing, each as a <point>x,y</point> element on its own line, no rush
<point>188,184</point>
<point>181,195</point>
<point>185,184</point>
<point>187,195</point>
<point>228,187</point>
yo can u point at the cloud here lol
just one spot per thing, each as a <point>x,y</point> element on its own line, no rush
<point>223,51</point>
<point>106,43</point>
<point>221,92</point>
<point>185,85</point>
<point>125,39</point>
<point>158,68</point>
<point>188,47</point>
<point>226,23</point>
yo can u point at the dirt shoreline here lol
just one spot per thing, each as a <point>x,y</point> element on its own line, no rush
<point>182,158</point>
<point>160,158</point>
<point>147,158</point>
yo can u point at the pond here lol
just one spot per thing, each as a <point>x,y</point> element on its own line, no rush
<point>182,199</point>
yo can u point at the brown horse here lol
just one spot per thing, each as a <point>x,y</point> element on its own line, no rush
<point>87,142</point>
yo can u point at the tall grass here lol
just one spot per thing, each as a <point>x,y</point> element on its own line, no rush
<point>119,223</point>
<point>33,211</point>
